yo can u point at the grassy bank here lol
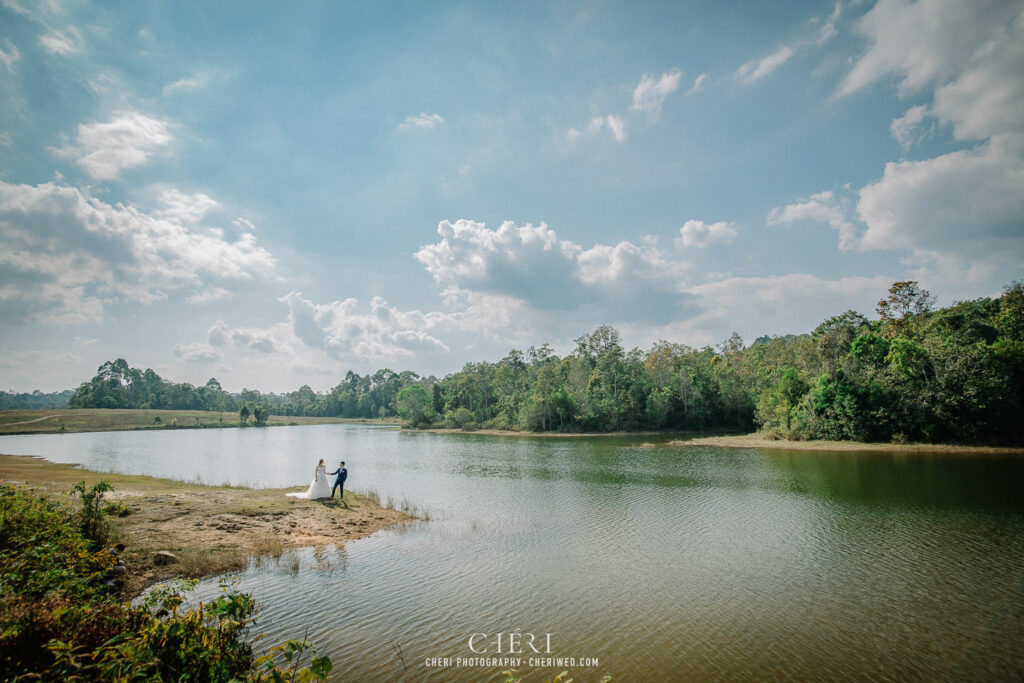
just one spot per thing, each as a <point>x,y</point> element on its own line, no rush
<point>210,529</point>
<point>61,618</point>
<point>761,441</point>
<point>105,420</point>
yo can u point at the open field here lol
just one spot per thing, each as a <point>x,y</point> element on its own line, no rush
<point>212,529</point>
<point>105,420</point>
<point>760,441</point>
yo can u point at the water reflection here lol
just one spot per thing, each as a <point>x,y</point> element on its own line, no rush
<point>664,563</point>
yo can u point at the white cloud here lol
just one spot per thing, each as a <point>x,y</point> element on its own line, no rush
<point>963,209</point>
<point>700,234</point>
<point>383,331</point>
<point>10,56</point>
<point>184,208</point>
<point>126,141</point>
<point>613,123</point>
<point>67,254</point>
<point>928,41</point>
<point>532,265</point>
<point>423,121</point>
<point>780,304</point>
<point>824,207</point>
<point>757,69</point>
<point>907,129</point>
<point>698,85</point>
<point>183,85</point>
<point>197,352</point>
<point>57,43</point>
<point>650,94</point>
<point>821,30</point>
<point>209,295</point>
<point>967,204</point>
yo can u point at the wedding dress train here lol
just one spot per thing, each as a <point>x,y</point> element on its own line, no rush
<point>318,488</point>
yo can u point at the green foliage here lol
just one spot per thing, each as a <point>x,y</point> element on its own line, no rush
<point>94,523</point>
<point>415,407</point>
<point>58,622</point>
<point>260,416</point>
<point>954,374</point>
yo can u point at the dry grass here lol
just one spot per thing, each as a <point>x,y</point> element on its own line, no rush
<point>211,529</point>
<point>103,420</point>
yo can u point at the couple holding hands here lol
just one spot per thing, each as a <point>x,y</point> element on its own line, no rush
<point>320,488</point>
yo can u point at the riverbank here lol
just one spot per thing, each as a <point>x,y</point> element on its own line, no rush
<point>544,435</point>
<point>69,420</point>
<point>760,441</point>
<point>209,529</point>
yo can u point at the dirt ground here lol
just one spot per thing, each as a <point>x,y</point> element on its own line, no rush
<point>211,529</point>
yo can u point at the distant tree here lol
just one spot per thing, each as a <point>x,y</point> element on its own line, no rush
<point>260,415</point>
<point>243,414</point>
<point>906,299</point>
<point>415,406</point>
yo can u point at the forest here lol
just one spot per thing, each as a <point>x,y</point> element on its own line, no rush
<point>913,373</point>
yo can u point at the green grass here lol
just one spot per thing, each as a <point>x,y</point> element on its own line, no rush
<point>103,420</point>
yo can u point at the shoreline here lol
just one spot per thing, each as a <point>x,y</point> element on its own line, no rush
<point>756,440</point>
<point>210,529</point>
<point>546,435</point>
<point>78,420</point>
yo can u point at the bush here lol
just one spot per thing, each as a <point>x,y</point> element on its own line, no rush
<point>58,622</point>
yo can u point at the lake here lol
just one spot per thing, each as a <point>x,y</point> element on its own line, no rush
<point>661,563</point>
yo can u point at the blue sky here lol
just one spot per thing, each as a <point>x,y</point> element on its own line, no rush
<point>275,193</point>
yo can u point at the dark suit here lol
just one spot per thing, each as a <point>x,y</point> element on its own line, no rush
<point>339,483</point>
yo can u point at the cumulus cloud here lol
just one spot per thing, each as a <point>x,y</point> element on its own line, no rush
<point>613,124</point>
<point>967,205</point>
<point>184,208</point>
<point>533,265</point>
<point>67,254</point>
<point>343,329</point>
<point>197,352</point>
<point>908,130</point>
<point>825,207</point>
<point>700,234</point>
<point>650,94</point>
<point>423,121</point>
<point>209,295</point>
<point>127,140</point>
<point>780,304</point>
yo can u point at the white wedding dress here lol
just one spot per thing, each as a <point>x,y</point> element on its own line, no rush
<point>318,488</point>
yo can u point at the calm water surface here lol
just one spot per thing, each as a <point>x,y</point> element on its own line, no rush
<point>662,563</point>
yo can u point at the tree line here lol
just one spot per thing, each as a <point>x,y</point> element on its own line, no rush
<point>955,374</point>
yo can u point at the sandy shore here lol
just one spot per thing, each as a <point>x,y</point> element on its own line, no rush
<point>760,441</point>
<point>211,529</point>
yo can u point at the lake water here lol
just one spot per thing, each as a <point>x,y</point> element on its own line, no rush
<point>662,563</point>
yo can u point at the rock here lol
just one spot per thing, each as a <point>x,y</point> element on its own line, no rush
<point>163,557</point>
<point>118,570</point>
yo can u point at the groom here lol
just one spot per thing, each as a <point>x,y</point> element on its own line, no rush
<point>339,483</point>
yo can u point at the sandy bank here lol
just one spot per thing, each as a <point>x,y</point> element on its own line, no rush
<point>211,529</point>
<point>760,441</point>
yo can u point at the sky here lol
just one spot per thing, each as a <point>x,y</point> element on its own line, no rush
<point>275,193</point>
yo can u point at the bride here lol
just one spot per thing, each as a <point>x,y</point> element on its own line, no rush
<point>318,488</point>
